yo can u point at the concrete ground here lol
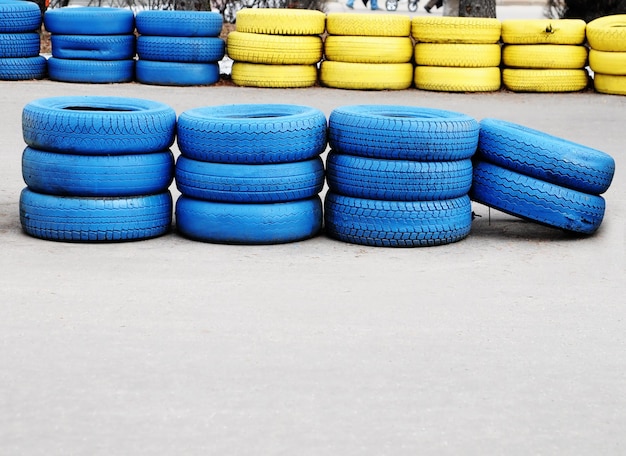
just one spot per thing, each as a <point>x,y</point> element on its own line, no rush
<point>511,341</point>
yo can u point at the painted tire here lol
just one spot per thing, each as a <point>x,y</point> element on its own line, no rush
<point>543,31</point>
<point>607,33</point>
<point>457,79</point>
<point>91,71</point>
<point>274,49</point>
<point>609,83</point>
<point>19,17</point>
<point>23,68</point>
<point>93,47</point>
<point>349,24</point>
<point>178,23</point>
<point>366,76</point>
<point>368,49</point>
<point>177,73</point>
<point>180,49</point>
<point>545,80</point>
<point>274,21</point>
<point>457,55</point>
<point>545,56</point>
<point>458,30</point>
<point>604,62</point>
<point>273,76</point>
<point>18,45</point>
<point>90,20</point>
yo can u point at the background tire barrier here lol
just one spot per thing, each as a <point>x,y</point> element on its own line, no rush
<point>540,177</point>
<point>250,174</point>
<point>454,54</point>
<point>409,194</point>
<point>179,48</point>
<point>20,42</point>
<point>276,48</point>
<point>91,44</point>
<point>607,55</point>
<point>84,187</point>
<point>544,55</point>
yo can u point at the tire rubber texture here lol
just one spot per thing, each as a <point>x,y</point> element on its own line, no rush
<point>402,133</point>
<point>536,200</point>
<point>458,30</point>
<point>23,68</point>
<point>76,219</point>
<point>98,125</point>
<point>348,24</point>
<point>545,80</point>
<point>273,76</point>
<point>93,47</point>
<point>457,79</point>
<point>179,23</point>
<point>397,223</point>
<point>14,45</point>
<point>91,71</point>
<point>545,157</point>
<point>19,17</point>
<point>97,175</point>
<point>397,180</point>
<point>605,62</point>
<point>252,133</point>
<point>90,20</point>
<point>607,33</point>
<point>239,183</point>
<point>609,83</point>
<point>274,49</point>
<point>234,223</point>
<point>546,56</point>
<point>273,21</point>
<point>457,55</point>
<point>543,31</point>
<point>366,76</point>
<point>180,49</point>
<point>368,49</point>
<point>177,73</point>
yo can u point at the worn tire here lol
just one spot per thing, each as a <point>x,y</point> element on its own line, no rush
<point>366,76</point>
<point>368,49</point>
<point>458,30</point>
<point>457,79</point>
<point>273,21</point>
<point>93,47</point>
<point>179,23</point>
<point>274,49</point>
<point>543,31</point>
<point>349,24</point>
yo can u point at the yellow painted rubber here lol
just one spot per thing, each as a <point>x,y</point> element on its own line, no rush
<point>457,55</point>
<point>607,62</point>
<point>368,49</point>
<point>444,29</point>
<point>609,83</point>
<point>274,76</point>
<point>274,49</point>
<point>543,31</point>
<point>608,33</point>
<point>366,76</point>
<point>451,79</point>
<point>351,24</point>
<point>279,21</point>
<point>527,80</point>
<point>546,56</point>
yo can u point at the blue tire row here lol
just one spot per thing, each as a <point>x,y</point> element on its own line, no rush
<point>98,169</point>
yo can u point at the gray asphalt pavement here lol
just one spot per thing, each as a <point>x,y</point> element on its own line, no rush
<point>511,341</point>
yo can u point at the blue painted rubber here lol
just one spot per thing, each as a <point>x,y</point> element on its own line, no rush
<point>23,68</point>
<point>15,45</point>
<point>93,47</point>
<point>180,49</point>
<point>19,17</point>
<point>177,73</point>
<point>178,23</point>
<point>91,71</point>
<point>89,20</point>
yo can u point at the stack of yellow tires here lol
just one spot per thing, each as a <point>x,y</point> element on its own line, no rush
<point>457,54</point>
<point>607,55</point>
<point>277,48</point>
<point>367,52</point>
<point>544,55</point>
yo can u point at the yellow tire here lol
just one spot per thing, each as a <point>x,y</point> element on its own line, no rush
<point>607,62</point>
<point>608,33</point>
<point>546,56</point>
<point>609,83</point>
<point>279,21</point>
<point>450,79</point>
<point>524,80</point>
<point>274,49</point>
<point>350,24</point>
<point>443,29</point>
<point>273,76</point>
<point>457,55</point>
<point>366,76</point>
<point>368,49</point>
<point>543,31</point>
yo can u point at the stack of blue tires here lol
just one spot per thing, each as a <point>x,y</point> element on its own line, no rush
<point>250,174</point>
<point>179,48</point>
<point>91,44</point>
<point>97,169</point>
<point>399,176</point>
<point>19,41</point>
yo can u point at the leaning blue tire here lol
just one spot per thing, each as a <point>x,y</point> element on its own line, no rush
<point>98,125</point>
<point>177,73</point>
<point>252,133</point>
<point>241,183</point>
<point>382,223</point>
<point>19,17</point>
<point>180,49</point>
<point>13,45</point>
<point>233,223</point>
<point>97,175</point>
<point>104,219</point>
<point>178,23</point>
<point>93,47</point>
<point>90,20</point>
<point>536,200</point>
<point>402,133</point>
<point>23,68</point>
<point>545,157</point>
<point>91,71</point>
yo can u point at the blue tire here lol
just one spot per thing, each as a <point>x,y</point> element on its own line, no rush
<point>23,68</point>
<point>93,47</point>
<point>19,17</point>
<point>177,73</point>
<point>180,49</point>
<point>90,20</point>
<point>178,23</point>
<point>91,71</point>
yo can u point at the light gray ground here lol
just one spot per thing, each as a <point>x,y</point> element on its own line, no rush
<point>511,341</point>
